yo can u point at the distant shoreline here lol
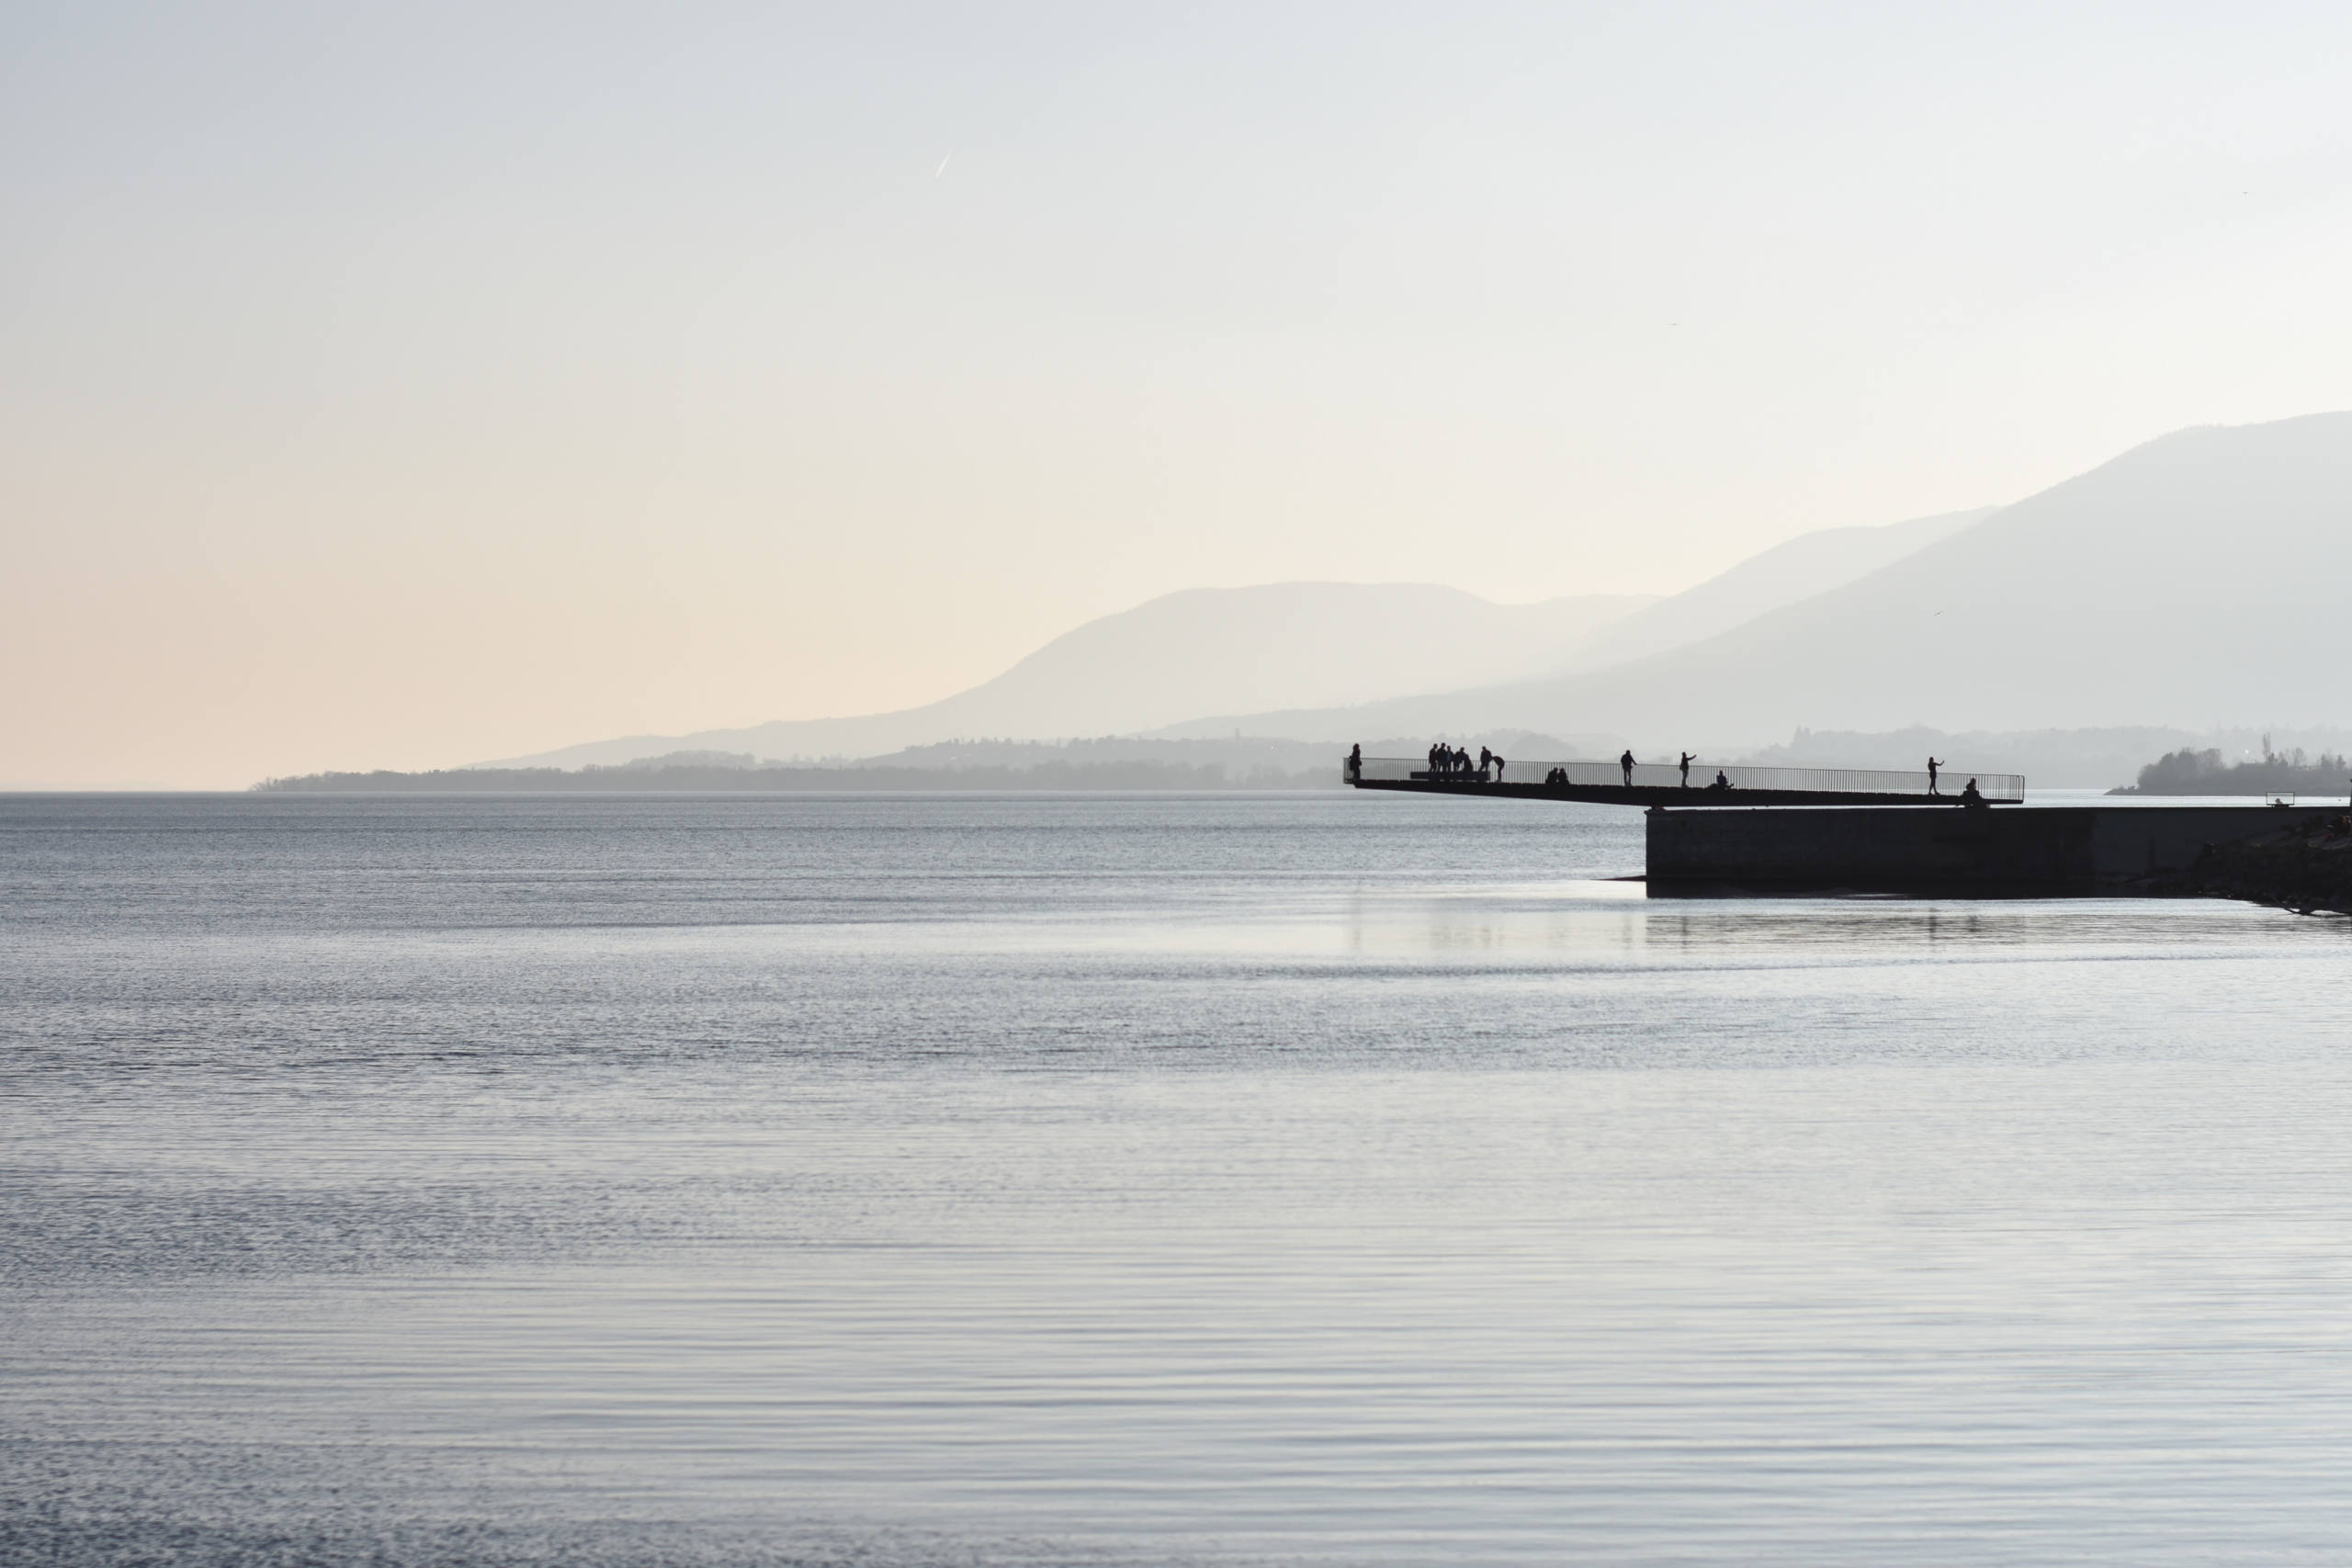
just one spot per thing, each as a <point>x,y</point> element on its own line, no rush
<point>1079,776</point>
<point>2203,773</point>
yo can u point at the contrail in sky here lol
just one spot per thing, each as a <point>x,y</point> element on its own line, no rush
<point>943,167</point>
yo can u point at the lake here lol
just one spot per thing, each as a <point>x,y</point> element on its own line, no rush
<point>1122,1180</point>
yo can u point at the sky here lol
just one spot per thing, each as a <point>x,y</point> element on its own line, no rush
<point>407,385</point>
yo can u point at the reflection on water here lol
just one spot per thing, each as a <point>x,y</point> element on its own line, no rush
<point>1140,1180</point>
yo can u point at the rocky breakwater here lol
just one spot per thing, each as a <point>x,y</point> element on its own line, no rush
<point>2306,867</point>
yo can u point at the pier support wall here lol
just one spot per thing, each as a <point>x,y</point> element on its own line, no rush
<point>2077,849</point>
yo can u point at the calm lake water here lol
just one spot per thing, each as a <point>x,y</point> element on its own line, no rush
<point>1140,1180</point>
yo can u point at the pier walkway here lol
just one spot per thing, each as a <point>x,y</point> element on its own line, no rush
<point>1660,784</point>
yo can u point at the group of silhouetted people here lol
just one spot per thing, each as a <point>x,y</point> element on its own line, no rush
<point>1452,762</point>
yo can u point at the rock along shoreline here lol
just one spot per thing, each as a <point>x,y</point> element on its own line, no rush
<point>2306,869</point>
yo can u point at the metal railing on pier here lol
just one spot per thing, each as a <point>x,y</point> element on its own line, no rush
<point>1701,778</point>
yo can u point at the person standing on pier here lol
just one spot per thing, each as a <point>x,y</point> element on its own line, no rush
<point>1932,766</point>
<point>1626,763</point>
<point>1355,762</point>
<point>1688,758</point>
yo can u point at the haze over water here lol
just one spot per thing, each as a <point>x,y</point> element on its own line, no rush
<point>1312,1177</point>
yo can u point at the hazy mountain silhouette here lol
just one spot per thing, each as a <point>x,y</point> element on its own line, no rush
<point>1324,646</point>
<point>1201,651</point>
<point>1809,564</point>
<point>2197,580</point>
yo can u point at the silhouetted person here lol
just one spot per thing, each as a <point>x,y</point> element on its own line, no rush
<point>1721,782</point>
<point>1970,795</point>
<point>1485,760</point>
<point>1499,767</point>
<point>1687,760</point>
<point>1625,763</point>
<point>1932,766</point>
<point>1355,762</point>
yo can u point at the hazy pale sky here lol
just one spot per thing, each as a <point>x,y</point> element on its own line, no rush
<point>401,386</point>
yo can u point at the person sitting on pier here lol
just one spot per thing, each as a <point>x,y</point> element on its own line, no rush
<point>1933,767</point>
<point>1557,776</point>
<point>1972,796</point>
<point>1688,758</point>
<point>1721,782</point>
<point>1625,763</point>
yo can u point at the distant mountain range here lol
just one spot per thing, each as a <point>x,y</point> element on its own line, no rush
<point>2192,584</point>
<point>1201,651</point>
<point>1320,645</point>
<point>1799,568</point>
<point>2203,579</point>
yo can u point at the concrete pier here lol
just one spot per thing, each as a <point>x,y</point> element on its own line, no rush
<point>2036,852</point>
<point>1663,784</point>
